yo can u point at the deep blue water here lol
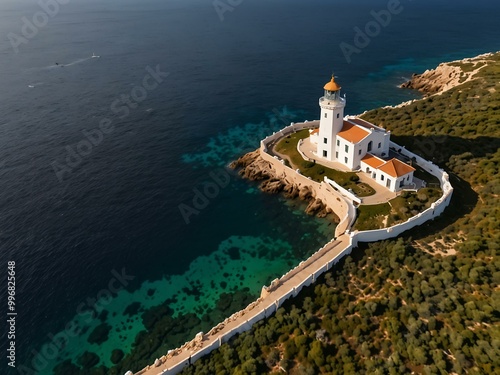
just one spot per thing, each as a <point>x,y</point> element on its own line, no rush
<point>229,83</point>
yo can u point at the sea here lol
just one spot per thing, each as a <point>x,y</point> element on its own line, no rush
<point>118,119</point>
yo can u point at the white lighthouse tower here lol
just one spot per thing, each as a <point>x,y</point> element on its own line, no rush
<point>331,120</point>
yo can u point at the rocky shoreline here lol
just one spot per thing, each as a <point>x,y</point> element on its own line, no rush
<point>446,75</point>
<point>253,167</point>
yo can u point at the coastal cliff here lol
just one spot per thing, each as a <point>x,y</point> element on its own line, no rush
<point>253,167</point>
<point>447,75</point>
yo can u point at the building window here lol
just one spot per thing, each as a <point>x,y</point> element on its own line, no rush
<point>388,184</point>
<point>379,145</point>
<point>338,142</point>
<point>370,146</point>
<point>338,115</point>
<point>401,183</point>
<point>382,177</point>
<point>346,160</point>
<point>326,115</point>
<point>359,152</point>
<point>325,153</point>
<point>325,140</point>
<point>346,148</point>
<point>336,155</point>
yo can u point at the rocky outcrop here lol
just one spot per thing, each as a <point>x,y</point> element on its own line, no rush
<point>446,75</point>
<point>438,80</point>
<point>291,191</point>
<point>305,193</point>
<point>314,206</point>
<point>246,159</point>
<point>273,186</point>
<point>318,208</point>
<point>252,167</point>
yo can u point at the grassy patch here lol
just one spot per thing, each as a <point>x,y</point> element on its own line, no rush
<point>288,145</point>
<point>398,210</point>
<point>372,216</point>
<point>363,190</point>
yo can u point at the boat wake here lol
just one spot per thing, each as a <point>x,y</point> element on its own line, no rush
<point>33,85</point>
<point>76,62</point>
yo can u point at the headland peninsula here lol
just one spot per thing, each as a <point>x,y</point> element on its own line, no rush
<point>425,302</point>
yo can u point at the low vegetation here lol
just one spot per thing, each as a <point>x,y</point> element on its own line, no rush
<point>372,216</point>
<point>394,311</point>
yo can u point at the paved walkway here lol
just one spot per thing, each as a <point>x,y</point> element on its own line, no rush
<point>291,280</point>
<point>382,194</point>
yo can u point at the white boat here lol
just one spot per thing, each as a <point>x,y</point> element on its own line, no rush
<point>94,56</point>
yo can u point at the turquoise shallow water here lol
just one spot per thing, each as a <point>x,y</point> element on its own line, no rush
<point>240,139</point>
<point>240,262</point>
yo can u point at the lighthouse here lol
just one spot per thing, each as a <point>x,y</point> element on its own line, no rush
<point>331,120</point>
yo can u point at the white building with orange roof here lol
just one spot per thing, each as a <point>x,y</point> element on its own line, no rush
<point>356,143</point>
<point>393,173</point>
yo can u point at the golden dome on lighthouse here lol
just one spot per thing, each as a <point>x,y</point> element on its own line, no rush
<point>332,85</point>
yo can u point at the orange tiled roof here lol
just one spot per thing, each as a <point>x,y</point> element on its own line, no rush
<point>364,123</point>
<point>396,168</point>
<point>314,131</point>
<point>372,160</point>
<point>352,133</point>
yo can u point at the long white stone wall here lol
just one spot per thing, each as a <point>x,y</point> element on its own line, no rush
<point>253,314</point>
<point>261,309</point>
